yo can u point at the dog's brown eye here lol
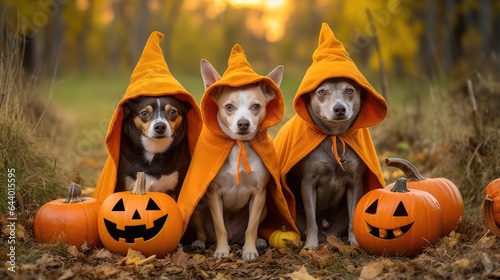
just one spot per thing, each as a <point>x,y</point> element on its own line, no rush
<point>349,91</point>
<point>229,107</point>
<point>172,113</point>
<point>256,107</point>
<point>144,114</point>
<point>321,92</point>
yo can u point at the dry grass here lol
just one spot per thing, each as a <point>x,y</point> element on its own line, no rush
<point>26,136</point>
<point>436,128</point>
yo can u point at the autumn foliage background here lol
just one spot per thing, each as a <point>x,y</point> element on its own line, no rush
<point>66,63</point>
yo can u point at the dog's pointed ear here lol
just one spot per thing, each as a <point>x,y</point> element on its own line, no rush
<point>208,73</point>
<point>269,92</point>
<point>276,75</point>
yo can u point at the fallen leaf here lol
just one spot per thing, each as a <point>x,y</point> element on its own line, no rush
<point>452,239</point>
<point>72,250</point>
<point>350,268</point>
<point>202,274</point>
<point>339,245</point>
<point>21,233</point>
<point>103,254</point>
<point>293,243</point>
<point>321,258</point>
<point>371,270</point>
<point>301,274</point>
<point>84,247</point>
<point>107,270</point>
<point>462,263</point>
<point>121,261</point>
<point>219,276</point>
<point>147,260</point>
<point>180,258</point>
<point>49,261</point>
<point>67,274</point>
<point>133,256</point>
<point>268,256</point>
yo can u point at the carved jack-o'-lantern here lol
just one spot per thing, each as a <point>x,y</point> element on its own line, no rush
<point>491,207</point>
<point>149,222</point>
<point>444,190</point>
<point>396,221</point>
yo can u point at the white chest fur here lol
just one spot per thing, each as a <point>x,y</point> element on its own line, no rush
<point>236,196</point>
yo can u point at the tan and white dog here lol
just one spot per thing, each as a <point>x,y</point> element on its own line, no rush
<point>236,197</point>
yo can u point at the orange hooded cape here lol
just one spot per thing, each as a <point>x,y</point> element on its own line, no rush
<point>214,146</point>
<point>151,77</point>
<point>299,136</point>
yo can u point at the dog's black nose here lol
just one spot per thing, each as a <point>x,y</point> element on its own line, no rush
<point>339,110</point>
<point>160,128</point>
<point>243,124</point>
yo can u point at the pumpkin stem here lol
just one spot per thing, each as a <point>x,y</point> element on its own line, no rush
<point>283,229</point>
<point>140,184</point>
<point>400,186</point>
<point>410,171</point>
<point>74,193</point>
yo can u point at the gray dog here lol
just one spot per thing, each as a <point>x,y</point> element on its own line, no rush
<point>329,188</point>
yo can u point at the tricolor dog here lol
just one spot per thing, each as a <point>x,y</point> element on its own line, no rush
<point>153,141</point>
<point>236,196</point>
<point>329,188</point>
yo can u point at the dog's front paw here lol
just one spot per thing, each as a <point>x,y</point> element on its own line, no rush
<point>311,242</point>
<point>249,255</point>
<point>261,244</point>
<point>221,253</point>
<point>352,239</point>
<point>198,245</point>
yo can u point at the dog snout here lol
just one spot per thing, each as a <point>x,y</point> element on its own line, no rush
<point>160,127</point>
<point>243,125</point>
<point>339,110</point>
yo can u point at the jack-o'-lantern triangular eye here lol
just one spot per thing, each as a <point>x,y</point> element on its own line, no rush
<point>119,206</point>
<point>372,209</point>
<point>400,210</point>
<point>152,205</point>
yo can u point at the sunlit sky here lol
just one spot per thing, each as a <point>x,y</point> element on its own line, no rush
<point>269,24</point>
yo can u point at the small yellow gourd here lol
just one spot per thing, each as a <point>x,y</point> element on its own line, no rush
<point>279,237</point>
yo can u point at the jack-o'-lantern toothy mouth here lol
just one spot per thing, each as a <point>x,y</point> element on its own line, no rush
<point>130,233</point>
<point>388,233</point>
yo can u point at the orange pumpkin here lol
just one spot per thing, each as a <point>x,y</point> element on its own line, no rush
<point>72,220</point>
<point>149,222</point>
<point>397,221</point>
<point>446,193</point>
<point>491,207</point>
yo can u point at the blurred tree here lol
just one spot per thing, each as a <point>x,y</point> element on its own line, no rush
<point>432,37</point>
<point>82,47</point>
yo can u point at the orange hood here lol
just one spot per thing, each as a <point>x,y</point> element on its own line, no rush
<point>151,77</point>
<point>299,136</point>
<point>214,146</point>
